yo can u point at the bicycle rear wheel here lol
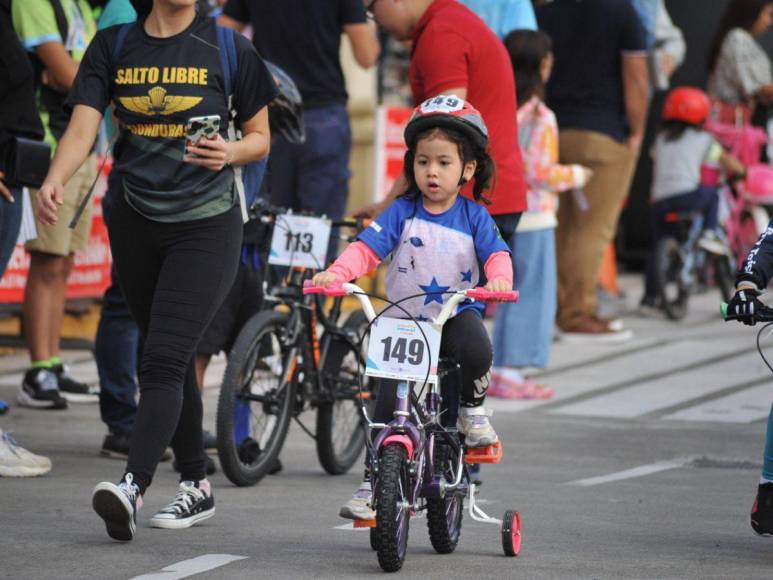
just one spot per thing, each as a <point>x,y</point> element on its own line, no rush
<point>340,424</point>
<point>392,508</point>
<point>444,514</point>
<point>256,400</point>
<point>668,278</point>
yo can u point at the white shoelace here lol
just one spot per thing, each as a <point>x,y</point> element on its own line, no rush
<point>128,486</point>
<point>11,443</point>
<point>185,497</point>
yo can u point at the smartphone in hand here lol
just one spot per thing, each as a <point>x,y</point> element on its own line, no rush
<point>198,128</point>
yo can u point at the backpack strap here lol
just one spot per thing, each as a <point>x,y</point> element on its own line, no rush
<point>120,38</point>
<point>228,59</point>
<point>61,19</point>
<point>226,44</point>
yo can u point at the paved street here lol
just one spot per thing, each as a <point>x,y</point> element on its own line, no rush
<point>643,465</point>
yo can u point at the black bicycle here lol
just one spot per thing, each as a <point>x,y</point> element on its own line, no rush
<point>280,367</point>
<point>683,268</point>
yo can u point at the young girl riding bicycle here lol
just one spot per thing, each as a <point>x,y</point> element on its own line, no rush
<point>438,241</point>
<point>686,161</point>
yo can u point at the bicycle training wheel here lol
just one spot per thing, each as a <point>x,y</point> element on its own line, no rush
<point>340,424</point>
<point>511,533</point>
<point>668,278</point>
<point>392,508</point>
<point>444,514</point>
<point>255,403</point>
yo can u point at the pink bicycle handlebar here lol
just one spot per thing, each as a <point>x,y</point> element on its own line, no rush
<point>484,295</point>
<point>334,290</point>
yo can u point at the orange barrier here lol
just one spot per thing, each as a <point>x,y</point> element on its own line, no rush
<point>608,273</point>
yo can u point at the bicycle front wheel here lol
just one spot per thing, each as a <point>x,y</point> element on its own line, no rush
<point>256,400</point>
<point>340,424</point>
<point>668,278</point>
<point>392,508</point>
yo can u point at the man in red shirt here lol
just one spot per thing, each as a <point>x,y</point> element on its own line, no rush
<point>454,52</point>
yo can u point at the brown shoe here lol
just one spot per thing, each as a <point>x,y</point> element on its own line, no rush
<point>592,329</point>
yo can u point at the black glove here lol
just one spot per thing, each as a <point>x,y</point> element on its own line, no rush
<point>744,305</point>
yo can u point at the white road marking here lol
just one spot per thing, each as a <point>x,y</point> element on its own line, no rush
<point>640,471</point>
<point>190,567</point>
<point>745,406</point>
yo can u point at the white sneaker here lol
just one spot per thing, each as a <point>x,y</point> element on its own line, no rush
<point>360,505</point>
<point>474,425</point>
<point>711,242</point>
<point>15,461</point>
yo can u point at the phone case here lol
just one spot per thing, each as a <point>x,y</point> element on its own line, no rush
<point>199,127</point>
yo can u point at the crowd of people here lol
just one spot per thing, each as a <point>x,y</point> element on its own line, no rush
<point>530,119</point>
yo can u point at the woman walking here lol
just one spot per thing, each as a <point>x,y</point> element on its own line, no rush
<point>175,226</point>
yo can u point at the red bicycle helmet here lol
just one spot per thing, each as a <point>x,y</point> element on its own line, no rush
<point>447,111</point>
<point>686,104</point>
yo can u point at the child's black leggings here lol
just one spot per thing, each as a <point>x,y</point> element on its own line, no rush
<point>466,341</point>
<point>174,277</point>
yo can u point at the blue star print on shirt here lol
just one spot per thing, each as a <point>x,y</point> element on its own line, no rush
<point>434,292</point>
<point>466,276</point>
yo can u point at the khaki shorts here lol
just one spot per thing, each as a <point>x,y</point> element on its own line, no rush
<point>59,239</point>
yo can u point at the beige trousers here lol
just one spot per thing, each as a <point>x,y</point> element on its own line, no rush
<point>582,236</point>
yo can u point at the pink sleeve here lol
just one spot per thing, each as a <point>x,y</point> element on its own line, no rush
<point>356,260</point>
<point>499,265</point>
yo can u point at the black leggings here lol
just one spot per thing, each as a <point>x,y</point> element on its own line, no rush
<point>174,277</point>
<point>465,341</point>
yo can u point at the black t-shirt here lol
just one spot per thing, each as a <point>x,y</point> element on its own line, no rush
<point>589,38</point>
<point>156,85</point>
<point>302,37</point>
<point>18,109</point>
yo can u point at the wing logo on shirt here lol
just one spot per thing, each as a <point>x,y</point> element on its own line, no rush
<point>159,103</point>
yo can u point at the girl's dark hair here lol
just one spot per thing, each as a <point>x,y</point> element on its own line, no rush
<point>468,151</point>
<point>673,129</point>
<point>527,49</point>
<point>738,14</point>
<point>142,7</point>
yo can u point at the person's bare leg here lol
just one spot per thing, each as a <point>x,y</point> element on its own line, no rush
<point>202,362</point>
<point>43,307</point>
<point>60,301</point>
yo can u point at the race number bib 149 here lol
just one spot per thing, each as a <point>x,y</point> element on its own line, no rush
<point>397,350</point>
<point>299,241</point>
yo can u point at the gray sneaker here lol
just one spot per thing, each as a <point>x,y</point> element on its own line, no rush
<point>359,506</point>
<point>477,430</point>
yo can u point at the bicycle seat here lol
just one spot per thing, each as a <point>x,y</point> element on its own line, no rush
<point>673,217</point>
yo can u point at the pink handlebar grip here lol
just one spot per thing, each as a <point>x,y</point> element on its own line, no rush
<point>486,296</point>
<point>335,290</point>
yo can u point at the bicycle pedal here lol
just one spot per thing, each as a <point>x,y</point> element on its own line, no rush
<point>364,523</point>
<point>364,396</point>
<point>489,454</point>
